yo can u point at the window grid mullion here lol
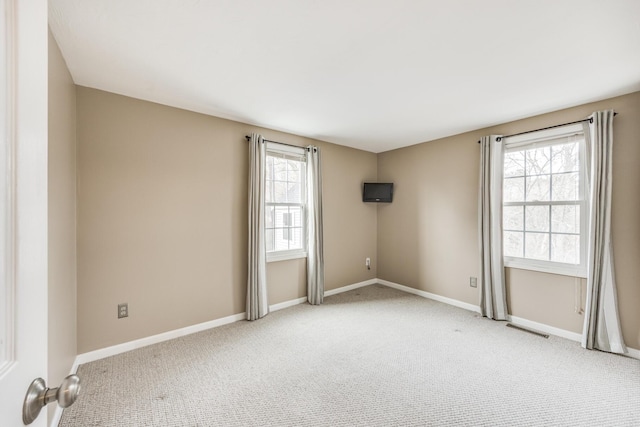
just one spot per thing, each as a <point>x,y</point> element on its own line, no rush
<point>545,203</point>
<point>549,216</point>
<point>284,204</point>
<point>579,202</point>
<point>286,174</point>
<point>550,198</point>
<point>524,231</point>
<point>524,224</point>
<point>559,233</point>
<point>290,219</point>
<point>524,228</point>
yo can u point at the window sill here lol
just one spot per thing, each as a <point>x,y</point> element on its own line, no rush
<point>546,267</point>
<point>285,256</point>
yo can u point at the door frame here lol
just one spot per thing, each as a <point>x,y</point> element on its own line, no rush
<point>27,121</point>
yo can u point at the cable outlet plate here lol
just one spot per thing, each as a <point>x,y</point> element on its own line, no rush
<point>123,310</point>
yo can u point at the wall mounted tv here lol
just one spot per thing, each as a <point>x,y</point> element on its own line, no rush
<point>380,192</point>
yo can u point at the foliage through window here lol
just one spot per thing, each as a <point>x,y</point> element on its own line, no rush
<point>285,203</point>
<point>544,203</point>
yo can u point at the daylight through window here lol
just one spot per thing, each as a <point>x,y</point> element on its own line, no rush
<point>544,206</point>
<point>285,204</point>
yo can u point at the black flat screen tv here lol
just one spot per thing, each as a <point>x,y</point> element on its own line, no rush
<point>380,192</point>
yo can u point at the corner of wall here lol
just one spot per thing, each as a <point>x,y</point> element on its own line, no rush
<point>62,274</point>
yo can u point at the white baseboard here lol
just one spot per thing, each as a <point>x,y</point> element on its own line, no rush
<point>519,321</point>
<point>450,301</point>
<point>291,303</point>
<point>165,336</point>
<point>176,333</point>
<point>154,339</point>
<point>286,304</point>
<point>57,415</point>
<point>132,345</point>
<point>351,287</point>
<point>541,327</point>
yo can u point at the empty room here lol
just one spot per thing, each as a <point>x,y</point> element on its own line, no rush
<point>337,213</point>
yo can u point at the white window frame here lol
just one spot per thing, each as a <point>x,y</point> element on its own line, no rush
<point>550,137</point>
<point>278,150</point>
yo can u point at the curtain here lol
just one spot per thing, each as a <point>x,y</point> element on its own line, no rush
<point>601,321</point>
<point>257,304</point>
<point>493,299</point>
<point>315,256</point>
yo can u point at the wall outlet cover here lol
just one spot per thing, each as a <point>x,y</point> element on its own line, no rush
<point>123,310</point>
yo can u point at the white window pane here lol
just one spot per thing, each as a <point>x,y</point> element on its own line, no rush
<point>281,239</point>
<point>566,186</point>
<point>513,190</point>
<point>540,230</point>
<point>293,168</point>
<point>536,246</point>
<point>294,192</point>
<point>270,240</point>
<point>565,219</point>
<point>565,158</point>
<point>285,184</point>
<point>538,161</point>
<point>537,188</point>
<point>269,170</point>
<point>269,215</point>
<point>513,244</point>
<point>269,192</point>
<point>287,235</point>
<point>566,248</point>
<point>537,218</point>
<point>280,192</point>
<point>296,216</point>
<point>281,214</point>
<point>513,218</point>
<point>286,219</point>
<point>280,169</point>
<point>295,238</point>
<point>514,164</point>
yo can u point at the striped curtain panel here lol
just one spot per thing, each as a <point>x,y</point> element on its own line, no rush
<point>601,321</point>
<point>493,295</point>
<point>257,304</point>
<point>315,256</point>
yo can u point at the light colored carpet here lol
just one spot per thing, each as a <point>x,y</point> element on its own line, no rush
<point>374,356</point>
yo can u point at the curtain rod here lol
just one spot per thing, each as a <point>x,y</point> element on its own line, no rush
<point>248,138</point>
<point>590,120</point>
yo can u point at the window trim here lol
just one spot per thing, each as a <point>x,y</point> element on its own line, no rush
<point>280,150</point>
<point>540,139</point>
<point>275,256</point>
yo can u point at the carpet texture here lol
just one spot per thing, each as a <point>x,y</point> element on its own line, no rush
<point>374,356</point>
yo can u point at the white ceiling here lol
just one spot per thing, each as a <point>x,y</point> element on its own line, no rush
<point>370,74</point>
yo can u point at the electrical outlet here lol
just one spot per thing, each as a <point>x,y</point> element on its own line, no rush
<point>473,282</point>
<point>367,262</point>
<point>123,310</point>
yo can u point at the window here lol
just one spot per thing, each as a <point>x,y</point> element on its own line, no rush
<point>544,201</point>
<point>285,202</point>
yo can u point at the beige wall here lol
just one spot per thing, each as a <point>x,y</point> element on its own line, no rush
<point>428,237</point>
<point>62,218</point>
<point>162,218</point>
<point>534,296</point>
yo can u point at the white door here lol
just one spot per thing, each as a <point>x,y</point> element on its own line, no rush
<point>23,204</point>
